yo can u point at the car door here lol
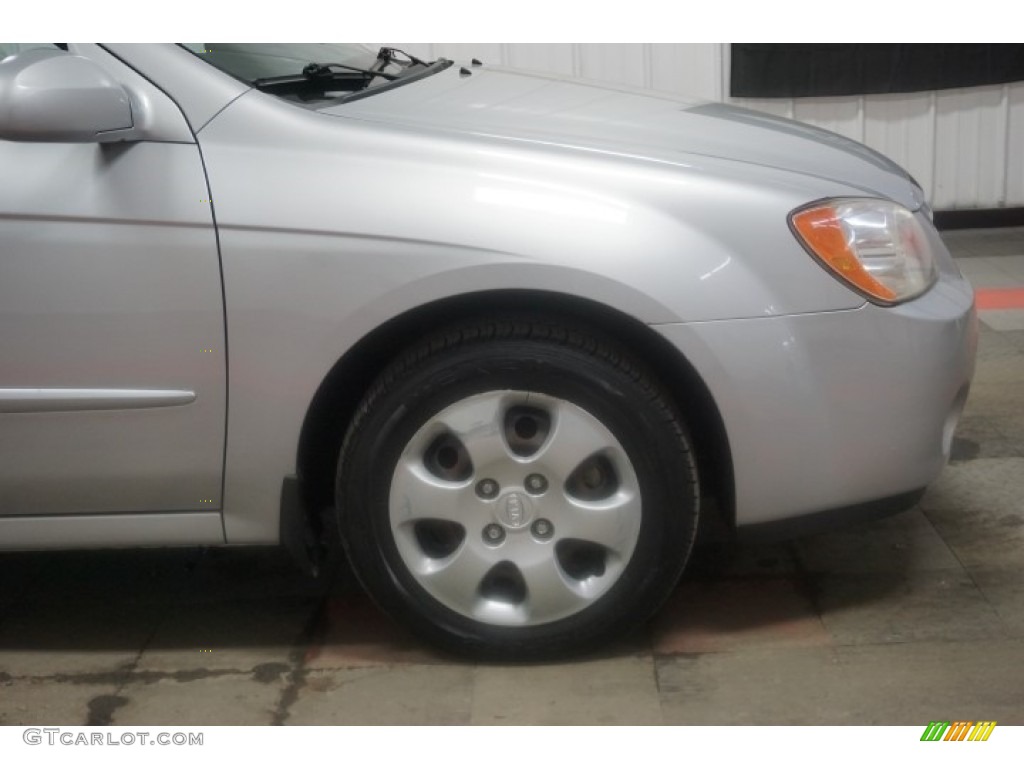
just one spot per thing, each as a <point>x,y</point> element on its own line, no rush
<point>112,338</point>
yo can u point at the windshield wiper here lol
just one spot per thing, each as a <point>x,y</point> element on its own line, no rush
<point>313,72</point>
<point>316,80</point>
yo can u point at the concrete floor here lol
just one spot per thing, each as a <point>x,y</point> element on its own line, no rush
<point>915,618</point>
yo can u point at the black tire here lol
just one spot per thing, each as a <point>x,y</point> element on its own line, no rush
<point>570,367</point>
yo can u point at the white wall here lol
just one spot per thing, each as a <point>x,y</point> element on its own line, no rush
<point>965,146</point>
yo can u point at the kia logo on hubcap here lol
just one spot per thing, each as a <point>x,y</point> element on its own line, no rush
<point>514,511</point>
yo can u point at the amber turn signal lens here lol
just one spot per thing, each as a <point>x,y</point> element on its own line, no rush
<point>822,231</point>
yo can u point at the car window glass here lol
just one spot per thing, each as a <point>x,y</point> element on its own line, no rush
<point>10,49</point>
<point>252,61</point>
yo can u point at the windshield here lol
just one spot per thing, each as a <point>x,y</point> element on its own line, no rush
<point>254,61</point>
<point>308,72</point>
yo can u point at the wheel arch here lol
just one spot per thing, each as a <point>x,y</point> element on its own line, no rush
<point>339,394</point>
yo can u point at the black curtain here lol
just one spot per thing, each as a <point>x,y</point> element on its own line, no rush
<point>826,69</point>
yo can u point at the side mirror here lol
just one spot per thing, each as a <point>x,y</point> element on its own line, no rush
<point>51,95</point>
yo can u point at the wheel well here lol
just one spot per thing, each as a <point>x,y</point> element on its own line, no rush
<point>343,388</point>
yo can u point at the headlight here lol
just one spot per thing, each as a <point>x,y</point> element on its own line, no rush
<point>877,247</point>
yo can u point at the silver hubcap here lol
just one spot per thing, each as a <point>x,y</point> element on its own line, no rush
<point>515,508</point>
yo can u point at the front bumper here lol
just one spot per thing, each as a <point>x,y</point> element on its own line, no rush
<point>836,410</point>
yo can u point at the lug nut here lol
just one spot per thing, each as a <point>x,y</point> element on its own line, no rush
<point>536,484</point>
<point>493,533</point>
<point>542,529</point>
<point>487,488</point>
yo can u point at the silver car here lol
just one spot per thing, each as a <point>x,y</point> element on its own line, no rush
<point>517,331</point>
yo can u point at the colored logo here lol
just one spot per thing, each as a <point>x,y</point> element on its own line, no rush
<point>959,730</point>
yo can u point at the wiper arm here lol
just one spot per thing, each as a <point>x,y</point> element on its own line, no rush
<point>314,71</point>
<point>394,55</point>
<point>317,80</point>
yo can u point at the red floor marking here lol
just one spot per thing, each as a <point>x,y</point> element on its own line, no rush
<point>999,298</point>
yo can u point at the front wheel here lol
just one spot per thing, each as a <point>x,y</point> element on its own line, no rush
<point>517,489</point>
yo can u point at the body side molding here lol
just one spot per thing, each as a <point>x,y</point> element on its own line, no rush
<point>34,400</point>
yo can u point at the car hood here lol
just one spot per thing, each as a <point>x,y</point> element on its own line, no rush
<point>574,114</point>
